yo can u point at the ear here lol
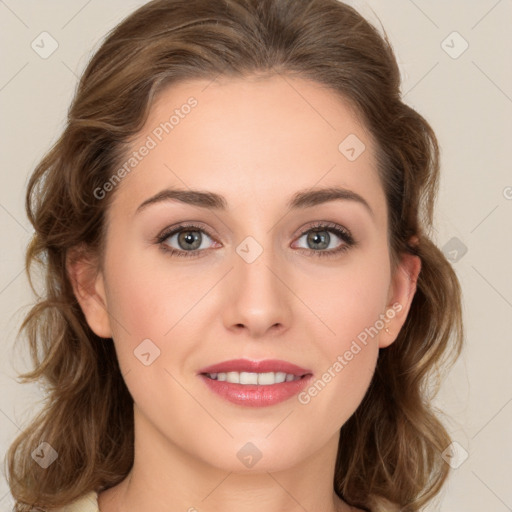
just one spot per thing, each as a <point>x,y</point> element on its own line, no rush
<point>401,293</point>
<point>89,288</point>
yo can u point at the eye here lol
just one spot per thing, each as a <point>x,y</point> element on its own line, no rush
<point>319,239</point>
<point>190,239</point>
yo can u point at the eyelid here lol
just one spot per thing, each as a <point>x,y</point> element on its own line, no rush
<point>183,226</point>
<point>326,226</point>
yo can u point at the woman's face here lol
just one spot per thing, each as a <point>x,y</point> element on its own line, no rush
<point>251,279</point>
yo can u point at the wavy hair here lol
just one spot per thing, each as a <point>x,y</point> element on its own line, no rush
<point>389,451</point>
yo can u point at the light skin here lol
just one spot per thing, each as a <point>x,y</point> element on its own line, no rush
<point>256,143</point>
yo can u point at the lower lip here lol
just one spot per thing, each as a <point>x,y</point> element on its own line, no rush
<point>253,395</point>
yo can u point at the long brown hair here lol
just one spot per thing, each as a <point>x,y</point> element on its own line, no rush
<point>390,449</point>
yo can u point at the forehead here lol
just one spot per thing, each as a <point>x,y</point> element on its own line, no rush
<point>250,139</point>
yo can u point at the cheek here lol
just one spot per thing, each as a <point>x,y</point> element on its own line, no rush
<point>352,299</point>
<point>151,300</point>
<point>148,295</point>
<point>350,306</point>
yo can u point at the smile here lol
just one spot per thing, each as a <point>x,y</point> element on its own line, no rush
<point>246,378</point>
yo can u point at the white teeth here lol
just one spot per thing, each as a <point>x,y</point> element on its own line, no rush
<point>233,377</point>
<point>248,378</point>
<point>280,377</point>
<point>263,379</point>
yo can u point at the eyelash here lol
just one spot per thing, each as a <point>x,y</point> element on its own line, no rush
<point>338,230</point>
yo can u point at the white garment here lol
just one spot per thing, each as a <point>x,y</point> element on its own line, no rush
<point>86,503</point>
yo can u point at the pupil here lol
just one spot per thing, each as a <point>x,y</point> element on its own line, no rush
<point>320,237</point>
<point>187,237</point>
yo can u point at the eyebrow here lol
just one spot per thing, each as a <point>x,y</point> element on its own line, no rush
<point>300,200</point>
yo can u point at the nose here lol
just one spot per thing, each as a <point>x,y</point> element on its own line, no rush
<point>257,296</point>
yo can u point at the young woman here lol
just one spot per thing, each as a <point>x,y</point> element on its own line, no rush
<point>243,308</point>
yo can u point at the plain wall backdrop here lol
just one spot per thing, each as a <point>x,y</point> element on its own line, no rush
<point>455,58</point>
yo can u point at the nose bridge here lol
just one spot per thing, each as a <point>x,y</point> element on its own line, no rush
<point>258,298</point>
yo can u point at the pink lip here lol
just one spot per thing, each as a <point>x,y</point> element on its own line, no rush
<point>245,365</point>
<point>254,395</point>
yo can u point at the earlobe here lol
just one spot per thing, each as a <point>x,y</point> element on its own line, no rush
<point>401,294</point>
<point>89,289</point>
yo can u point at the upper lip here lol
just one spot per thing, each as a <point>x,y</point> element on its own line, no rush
<point>246,365</point>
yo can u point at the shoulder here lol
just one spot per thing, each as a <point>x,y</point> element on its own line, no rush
<point>86,503</point>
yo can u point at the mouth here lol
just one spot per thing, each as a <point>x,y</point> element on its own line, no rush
<point>245,371</point>
<point>255,383</point>
<point>251,378</point>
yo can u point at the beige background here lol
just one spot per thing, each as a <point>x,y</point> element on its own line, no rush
<point>468,100</point>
